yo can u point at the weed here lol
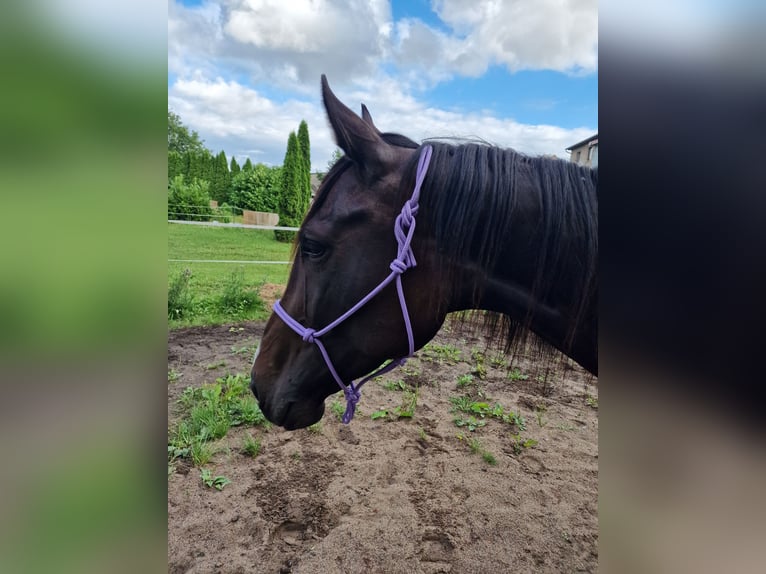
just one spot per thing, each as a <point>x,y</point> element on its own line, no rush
<point>438,353</point>
<point>211,410</point>
<point>464,380</point>
<point>422,434</point>
<point>409,402</point>
<point>213,366</point>
<point>480,370</point>
<point>180,300</point>
<point>517,375</point>
<point>200,452</point>
<point>337,408</point>
<point>591,402</point>
<point>246,350</point>
<point>379,414</point>
<point>296,455</point>
<point>539,414</point>
<point>471,423</point>
<point>483,409</point>
<point>476,448</point>
<point>397,385</point>
<point>173,375</point>
<point>565,426</point>
<point>251,446</point>
<point>519,444</point>
<point>475,445</point>
<point>316,428</point>
<point>217,482</point>
<point>236,299</point>
<point>489,458</point>
<point>498,361</point>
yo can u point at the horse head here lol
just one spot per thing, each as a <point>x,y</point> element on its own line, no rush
<point>345,248</point>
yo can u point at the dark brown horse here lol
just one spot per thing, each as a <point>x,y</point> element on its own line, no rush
<point>498,231</point>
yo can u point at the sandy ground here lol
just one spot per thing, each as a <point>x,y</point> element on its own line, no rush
<point>393,496</point>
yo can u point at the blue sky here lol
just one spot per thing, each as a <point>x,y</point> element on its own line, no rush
<point>521,73</point>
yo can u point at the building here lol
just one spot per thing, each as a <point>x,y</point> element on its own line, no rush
<point>585,152</point>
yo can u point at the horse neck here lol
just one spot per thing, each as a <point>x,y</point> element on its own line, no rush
<point>505,278</point>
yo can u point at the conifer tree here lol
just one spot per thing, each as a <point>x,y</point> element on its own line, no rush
<point>291,197</point>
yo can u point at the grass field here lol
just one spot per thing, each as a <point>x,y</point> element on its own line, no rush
<point>208,282</point>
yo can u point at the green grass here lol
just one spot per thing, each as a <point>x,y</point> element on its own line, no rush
<point>251,446</point>
<point>209,412</point>
<point>216,297</point>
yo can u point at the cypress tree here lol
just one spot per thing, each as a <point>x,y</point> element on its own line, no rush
<point>290,199</point>
<point>234,167</point>
<point>248,165</point>
<point>305,145</point>
<point>219,185</point>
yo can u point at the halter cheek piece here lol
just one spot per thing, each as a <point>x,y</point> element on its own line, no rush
<point>404,229</point>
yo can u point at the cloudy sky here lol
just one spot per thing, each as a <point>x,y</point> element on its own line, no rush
<point>516,73</point>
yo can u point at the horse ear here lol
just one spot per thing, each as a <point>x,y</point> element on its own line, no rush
<point>368,118</point>
<point>359,138</point>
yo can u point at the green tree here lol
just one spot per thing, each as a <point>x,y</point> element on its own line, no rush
<point>180,139</point>
<point>305,146</point>
<point>257,189</point>
<point>188,201</point>
<point>291,202</point>
<point>220,178</point>
<point>248,165</point>
<point>234,167</point>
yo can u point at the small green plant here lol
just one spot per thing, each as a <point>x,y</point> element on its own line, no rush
<point>296,455</point>
<point>217,482</point>
<point>422,434</point>
<point>437,353</point>
<point>251,446</point>
<point>471,423</point>
<point>173,375</point>
<point>210,411</point>
<point>475,445</point>
<point>180,299</point>
<point>407,408</point>
<point>397,385</point>
<point>519,444</point>
<point>337,408</point>
<point>236,299</point>
<point>483,409</point>
<point>498,361</point>
<point>479,369</point>
<point>379,414</point>
<point>592,402</point>
<point>212,366</point>
<point>517,375</point>
<point>316,428</point>
<point>565,426</point>
<point>540,414</point>
<point>464,380</point>
<point>248,350</point>
<point>489,458</point>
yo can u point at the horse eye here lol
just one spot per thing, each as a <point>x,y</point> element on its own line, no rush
<point>312,248</point>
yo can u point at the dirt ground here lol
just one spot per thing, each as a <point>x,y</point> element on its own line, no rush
<point>394,496</point>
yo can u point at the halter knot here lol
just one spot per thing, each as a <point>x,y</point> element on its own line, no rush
<point>353,394</point>
<point>308,335</point>
<point>398,266</point>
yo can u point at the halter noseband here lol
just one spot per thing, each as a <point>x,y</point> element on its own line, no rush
<point>404,229</point>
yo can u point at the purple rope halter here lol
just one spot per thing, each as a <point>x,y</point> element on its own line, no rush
<point>404,229</point>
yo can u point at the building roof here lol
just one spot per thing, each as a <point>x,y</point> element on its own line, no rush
<point>583,142</point>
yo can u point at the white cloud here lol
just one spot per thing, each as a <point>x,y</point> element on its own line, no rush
<point>557,35</point>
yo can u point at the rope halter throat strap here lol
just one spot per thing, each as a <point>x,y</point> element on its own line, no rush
<point>404,230</point>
